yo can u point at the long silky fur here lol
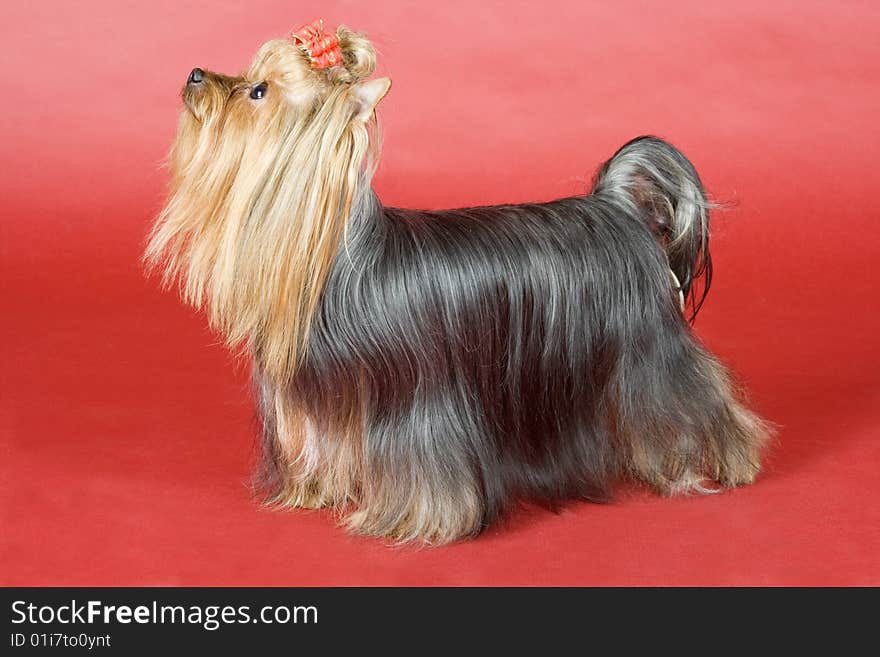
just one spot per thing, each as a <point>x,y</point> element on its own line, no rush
<point>423,371</point>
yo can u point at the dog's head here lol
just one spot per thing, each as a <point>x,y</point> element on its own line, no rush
<point>281,96</point>
<point>265,168</point>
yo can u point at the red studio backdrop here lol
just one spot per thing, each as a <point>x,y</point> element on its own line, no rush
<point>127,431</point>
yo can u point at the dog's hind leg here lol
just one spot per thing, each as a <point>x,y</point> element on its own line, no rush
<point>681,419</point>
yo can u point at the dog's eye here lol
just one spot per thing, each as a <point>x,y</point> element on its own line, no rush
<point>259,91</point>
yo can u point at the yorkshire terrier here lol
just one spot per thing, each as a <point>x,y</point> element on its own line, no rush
<point>425,370</point>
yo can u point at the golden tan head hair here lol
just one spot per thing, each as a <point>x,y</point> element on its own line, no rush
<point>264,172</point>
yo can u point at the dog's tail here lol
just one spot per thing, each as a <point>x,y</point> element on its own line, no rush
<point>664,188</point>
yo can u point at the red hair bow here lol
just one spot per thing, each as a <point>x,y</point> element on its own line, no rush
<point>322,48</point>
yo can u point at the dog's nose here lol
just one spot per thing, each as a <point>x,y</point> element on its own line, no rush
<point>195,76</point>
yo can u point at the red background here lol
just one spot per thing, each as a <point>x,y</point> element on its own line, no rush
<point>127,431</point>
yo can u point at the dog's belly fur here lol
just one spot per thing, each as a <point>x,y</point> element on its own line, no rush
<point>465,359</point>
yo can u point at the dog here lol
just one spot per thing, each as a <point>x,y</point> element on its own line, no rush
<point>425,371</point>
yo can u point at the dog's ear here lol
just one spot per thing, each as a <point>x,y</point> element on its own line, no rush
<point>367,95</point>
